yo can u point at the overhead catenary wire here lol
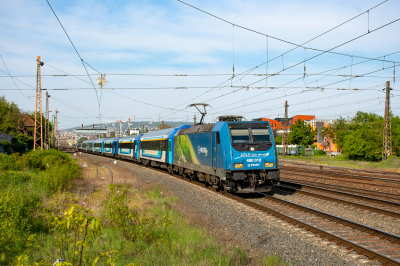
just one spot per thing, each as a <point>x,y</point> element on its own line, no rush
<point>290,82</point>
<point>12,78</point>
<point>292,43</point>
<point>356,38</point>
<point>324,86</point>
<point>250,70</point>
<point>238,88</point>
<point>77,54</point>
<point>106,89</point>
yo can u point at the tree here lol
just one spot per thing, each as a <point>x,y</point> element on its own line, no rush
<point>301,133</point>
<point>82,139</point>
<point>278,140</point>
<point>7,146</point>
<point>396,135</point>
<point>360,137</point>
<point>112,134</point>
<point>10,117</point>
<point>21,142</point>
<point>337,132</point>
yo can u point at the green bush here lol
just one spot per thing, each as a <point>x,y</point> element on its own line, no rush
<point>319,152</point>
<point>25,180</point>
<point>20,143</point>
<point>6,146</point>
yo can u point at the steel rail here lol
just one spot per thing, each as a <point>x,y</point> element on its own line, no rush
<point>347,202</point>
<point>379,201</point>
<point>373,255</point>
<point>341,175</point>
<point>342,168</point>
<point>357,190</point>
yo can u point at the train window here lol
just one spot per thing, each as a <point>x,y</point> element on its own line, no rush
<point>261,135</point>
<point>218,138</point>
<point>240,135</point>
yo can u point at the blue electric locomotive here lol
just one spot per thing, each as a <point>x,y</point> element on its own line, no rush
<point>238,156</point>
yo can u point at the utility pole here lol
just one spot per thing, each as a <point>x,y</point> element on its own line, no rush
<point>194,120</point>
<point>285,137</point>
<point>38,134</point>
<point>143,129</point>
<point>120,128</point>
<point>54,130</point>
<point>162,125</point>
<point>56,127</point>
<point>47,139</point>
<point>129,126</point>
<point>387,129</point>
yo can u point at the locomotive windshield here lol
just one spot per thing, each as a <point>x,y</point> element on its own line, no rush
<point>249,133</point>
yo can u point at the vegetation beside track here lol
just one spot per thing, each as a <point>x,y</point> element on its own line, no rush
<point>43,220</point>
<point>26,182</point>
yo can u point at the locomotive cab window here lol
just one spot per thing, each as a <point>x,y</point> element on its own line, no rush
<point>248,136</point>
<point>240,135</point>
<point>261,135</point>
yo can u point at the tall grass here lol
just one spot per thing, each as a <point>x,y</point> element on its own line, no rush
<point>25,181</point>
<point>169,240</point>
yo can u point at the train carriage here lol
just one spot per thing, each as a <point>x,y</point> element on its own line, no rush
<point>108,146</point>
<point>98,146</point>
<point>156,147</point>
<point>89,145</point>
<point>128,147</point>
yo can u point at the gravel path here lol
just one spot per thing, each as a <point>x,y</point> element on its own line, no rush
<point>259,231</point>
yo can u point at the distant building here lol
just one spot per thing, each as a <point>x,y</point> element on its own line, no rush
<point>5,137</point>
<point>134,131</point>
<point>322,142</point>
<point>277,123</point>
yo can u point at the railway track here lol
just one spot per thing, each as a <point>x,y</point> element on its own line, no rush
<point>339,188</point>
<point>375,244</point>
<point>362,180</point>
<point>334,169</point>
<point>388,208</point>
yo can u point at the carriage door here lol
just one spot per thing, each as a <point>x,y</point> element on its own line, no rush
<point>214,150</point>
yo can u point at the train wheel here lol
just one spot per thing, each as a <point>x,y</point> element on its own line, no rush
<point>170,169</point>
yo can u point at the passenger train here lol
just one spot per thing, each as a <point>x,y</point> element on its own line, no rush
<point>237,156</point>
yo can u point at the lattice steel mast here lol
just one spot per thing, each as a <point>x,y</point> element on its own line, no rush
<point>38,133</point>
<point>387,129</point>
<point>47,138</point>
<point>285,137</point>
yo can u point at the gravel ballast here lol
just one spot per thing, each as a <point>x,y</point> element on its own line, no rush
<point>258,230</point>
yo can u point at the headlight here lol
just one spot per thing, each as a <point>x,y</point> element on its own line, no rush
<point>269,164</point>
<point>238,165</point>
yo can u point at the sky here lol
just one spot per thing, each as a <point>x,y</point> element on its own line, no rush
<point>160,56</point>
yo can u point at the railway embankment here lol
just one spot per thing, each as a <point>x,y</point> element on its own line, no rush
<point>84,210</point>
<point>259,232</point>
